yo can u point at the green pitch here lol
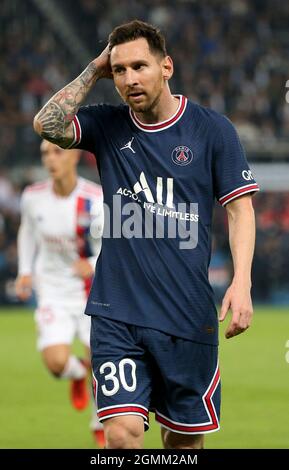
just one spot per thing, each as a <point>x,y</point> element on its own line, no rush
<point>35,410</point>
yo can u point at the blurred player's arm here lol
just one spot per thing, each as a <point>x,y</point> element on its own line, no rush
<point>27,247</point>
<point>241,221</point>
<point>54,120</point>
<point>85,267</point>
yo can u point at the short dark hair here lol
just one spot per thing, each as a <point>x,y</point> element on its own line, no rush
<point>137,29</point>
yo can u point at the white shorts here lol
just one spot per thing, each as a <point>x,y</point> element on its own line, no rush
<point>60,323</point>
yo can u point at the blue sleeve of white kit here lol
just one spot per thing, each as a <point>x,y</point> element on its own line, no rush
<point>231,172</point>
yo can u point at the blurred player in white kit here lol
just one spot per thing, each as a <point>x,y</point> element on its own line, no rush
<point>57,257</point>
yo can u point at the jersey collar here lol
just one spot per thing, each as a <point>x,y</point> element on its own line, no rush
<point>160,126</point>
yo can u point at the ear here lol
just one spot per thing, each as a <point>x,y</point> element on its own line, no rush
<point>168,67</point>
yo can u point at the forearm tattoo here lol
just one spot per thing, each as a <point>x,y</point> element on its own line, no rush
<point>55,117</point>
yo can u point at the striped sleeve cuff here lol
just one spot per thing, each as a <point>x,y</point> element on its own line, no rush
<point>77,132</point>
<point>248,188</point>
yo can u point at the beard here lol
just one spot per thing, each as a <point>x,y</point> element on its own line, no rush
<point>149,104</point>
<point>149,101</point>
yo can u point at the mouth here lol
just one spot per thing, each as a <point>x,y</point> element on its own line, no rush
<point>136,95</point>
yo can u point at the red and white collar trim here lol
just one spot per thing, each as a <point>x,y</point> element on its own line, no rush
<point>160,126</point>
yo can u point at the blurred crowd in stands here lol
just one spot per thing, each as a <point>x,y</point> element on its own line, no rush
<point>270,271</point>
<point>9,223</point>
<point>229,55</point>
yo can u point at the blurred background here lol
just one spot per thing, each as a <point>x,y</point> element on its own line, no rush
<point>229,55</point>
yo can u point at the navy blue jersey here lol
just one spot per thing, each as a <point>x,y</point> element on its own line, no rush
<point>159,184</point>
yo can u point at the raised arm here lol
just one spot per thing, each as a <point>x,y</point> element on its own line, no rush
<point>54,120</point>
<point>242,240</point>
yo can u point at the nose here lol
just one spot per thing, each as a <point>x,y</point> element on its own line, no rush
<point>50,157</point>
<point>131,78</point>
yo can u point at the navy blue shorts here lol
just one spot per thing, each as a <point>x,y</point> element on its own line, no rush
<point>137,370</point>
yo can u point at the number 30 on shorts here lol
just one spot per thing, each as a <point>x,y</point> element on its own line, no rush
<point>115,382</point>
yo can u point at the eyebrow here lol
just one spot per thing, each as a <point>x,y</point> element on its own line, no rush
<point>135,62</point>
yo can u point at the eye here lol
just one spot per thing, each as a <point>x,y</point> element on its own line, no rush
<point>118,70</point>
<point>139,66</point>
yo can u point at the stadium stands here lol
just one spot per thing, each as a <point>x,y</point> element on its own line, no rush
<point>229,55</point>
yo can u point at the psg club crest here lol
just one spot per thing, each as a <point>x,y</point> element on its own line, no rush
<point>182,155</point>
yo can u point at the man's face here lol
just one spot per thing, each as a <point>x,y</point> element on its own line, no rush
<point>139,75</point>
<point>58,162</point>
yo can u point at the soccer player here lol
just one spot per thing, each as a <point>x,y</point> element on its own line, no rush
<point>57,256</point>
<point>163,160</point>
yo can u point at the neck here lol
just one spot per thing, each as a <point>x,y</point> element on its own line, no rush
<point>65,186</point>
<point>165,107</point>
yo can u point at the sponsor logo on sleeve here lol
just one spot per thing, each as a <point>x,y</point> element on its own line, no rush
<point>247,175</point>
